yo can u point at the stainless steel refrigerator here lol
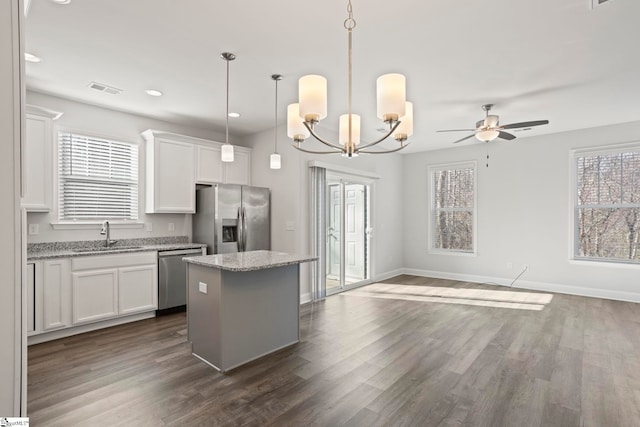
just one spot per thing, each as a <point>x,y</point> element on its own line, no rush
<point>232,218</point>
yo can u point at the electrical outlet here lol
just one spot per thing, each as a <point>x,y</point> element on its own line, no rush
<point>171,226</point>
<point>202,287</point>
<point>148,226</point>
<point>34,229</point>
<point>290,226</point>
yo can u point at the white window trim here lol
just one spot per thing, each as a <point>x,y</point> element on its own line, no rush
<point>573,191</point>
<point>86,225</point>
<point>432,250</point>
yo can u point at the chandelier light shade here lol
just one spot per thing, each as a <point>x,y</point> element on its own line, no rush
<point>312,97</point>
<point>274,160</point>
<point>392,98</point>
<point>392,108</point>
<point>227,149</point>
<point>405,130</point>
<point>296,129</point>
<point>349,135</point>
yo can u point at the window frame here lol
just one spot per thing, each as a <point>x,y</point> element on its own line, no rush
<point>431,234</point>
<point>574,243</point>
<point>62,224</point>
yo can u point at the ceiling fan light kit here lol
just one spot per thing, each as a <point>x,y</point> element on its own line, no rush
<point>392,108</point>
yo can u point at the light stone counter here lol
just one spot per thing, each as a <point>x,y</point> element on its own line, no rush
<point>249,261</point>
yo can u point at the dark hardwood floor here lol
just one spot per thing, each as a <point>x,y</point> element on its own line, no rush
<point>407,351</point>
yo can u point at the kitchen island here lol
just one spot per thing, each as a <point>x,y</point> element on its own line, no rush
<point>242,306</point>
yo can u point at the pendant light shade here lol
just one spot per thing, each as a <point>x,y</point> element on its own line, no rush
<point>346,136</point>
<point>391,95</point>
<point>227,153</point>
<point>312,96</point>
<point>227,149</point>
<point>405,130</point>
<point>296,129</point>
<point>275,161</point>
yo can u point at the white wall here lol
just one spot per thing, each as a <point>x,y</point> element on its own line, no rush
<point>10,255</point>
<point>290,200</point>
<point>524,216</point>
<point>118,125</point>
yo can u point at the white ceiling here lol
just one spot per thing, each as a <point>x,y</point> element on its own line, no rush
<point>542,59</point>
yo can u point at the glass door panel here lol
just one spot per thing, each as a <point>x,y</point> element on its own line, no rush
<point>347,233</point>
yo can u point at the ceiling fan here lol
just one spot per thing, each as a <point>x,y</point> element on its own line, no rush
<point>490,128</point>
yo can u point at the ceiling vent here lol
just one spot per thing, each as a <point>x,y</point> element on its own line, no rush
<point>104,88</point>
<point>595,3</point>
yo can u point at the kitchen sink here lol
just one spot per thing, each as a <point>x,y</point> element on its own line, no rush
<point>105,249</point>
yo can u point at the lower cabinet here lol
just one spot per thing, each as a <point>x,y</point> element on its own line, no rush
<point>107,286</point>
<point>95,295</point>
<point>77,291</point>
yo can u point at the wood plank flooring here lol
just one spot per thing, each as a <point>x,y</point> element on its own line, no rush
<point>407,351</point>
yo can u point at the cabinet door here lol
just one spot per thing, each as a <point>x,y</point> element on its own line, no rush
<point>95,295</point>
<point>208,165</point>
<point>239,171</point>
<point>56,310</point>
<point>170,177</point>
<point>137,289</point>
<point>37,174</point>
<point>31,298</point>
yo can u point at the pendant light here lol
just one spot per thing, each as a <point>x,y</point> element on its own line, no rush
<point>274,159</point>
<point>227,149</point>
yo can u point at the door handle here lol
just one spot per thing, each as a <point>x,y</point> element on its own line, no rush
<point>244,229</point>
<point>239,230</point>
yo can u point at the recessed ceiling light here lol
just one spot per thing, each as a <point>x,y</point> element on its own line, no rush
<point>31,57</point>
<point>234,115</point>
<point>61,1</point>
<point>153,92</point>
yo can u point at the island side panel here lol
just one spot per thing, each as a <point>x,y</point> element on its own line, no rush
<point>203,314</point>
<point>260,313</point>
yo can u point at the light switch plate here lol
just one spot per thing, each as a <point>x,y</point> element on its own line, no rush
<point>171,226</point>
<point>202,287</point>
<point>290,226</point>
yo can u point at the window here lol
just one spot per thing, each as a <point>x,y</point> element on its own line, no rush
<point>453,207</point>
<point>98,178</point>
<point>607,205</point>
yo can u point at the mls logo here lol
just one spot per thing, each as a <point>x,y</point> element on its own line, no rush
<point>4,422</point>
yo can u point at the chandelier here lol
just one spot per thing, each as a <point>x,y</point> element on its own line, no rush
<point>392,108</point>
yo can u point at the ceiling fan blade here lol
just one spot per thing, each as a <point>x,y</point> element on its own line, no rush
<point>457,130</point>
<point>525,124</point>
<point>506,135</point>
<point>465,138</point>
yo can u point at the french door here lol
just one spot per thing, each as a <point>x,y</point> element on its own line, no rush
<point>347,233</point>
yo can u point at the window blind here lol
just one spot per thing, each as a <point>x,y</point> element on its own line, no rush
<point>98,178</point>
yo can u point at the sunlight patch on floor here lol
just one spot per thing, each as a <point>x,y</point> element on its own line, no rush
<point>465,296</point>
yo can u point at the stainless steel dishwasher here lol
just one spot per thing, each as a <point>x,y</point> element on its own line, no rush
<point>172,278</point>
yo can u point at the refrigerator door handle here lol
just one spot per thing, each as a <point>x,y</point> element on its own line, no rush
<point>240,229</point>
<point>244,229</point>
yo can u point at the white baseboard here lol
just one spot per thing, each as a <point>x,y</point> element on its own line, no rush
<point>531,285</point>
<point>305,298</point>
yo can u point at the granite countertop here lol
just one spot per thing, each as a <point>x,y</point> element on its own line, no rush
<point>52,250</point>
<point>249,261</point>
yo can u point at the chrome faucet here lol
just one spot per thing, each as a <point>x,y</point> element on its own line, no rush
<point>107,230</point>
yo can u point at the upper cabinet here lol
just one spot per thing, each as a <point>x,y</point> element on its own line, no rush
<point>170,183</point>
<point>238,171</point>
<point>176,163</point>
<point>37,170</point>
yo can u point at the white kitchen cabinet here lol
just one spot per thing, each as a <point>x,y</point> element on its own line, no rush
<point>108,286</point>
<point>238,171</point>
<point>37,171</point>
<point>137,289</point>
<point>53,295</point>
<point>209,166</point>
<point>170,172</point>
<point>95,295</point>
<point>31,298</point>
